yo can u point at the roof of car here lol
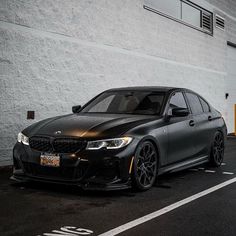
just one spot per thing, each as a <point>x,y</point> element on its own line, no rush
<point>146,88</point>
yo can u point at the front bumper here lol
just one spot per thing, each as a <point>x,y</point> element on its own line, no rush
<point>116,185</point>
<point>90,170</point>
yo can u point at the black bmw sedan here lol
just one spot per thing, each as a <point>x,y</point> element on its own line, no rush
<point>121,138</point>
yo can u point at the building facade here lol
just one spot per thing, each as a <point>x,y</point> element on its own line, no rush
<point>56,54</point>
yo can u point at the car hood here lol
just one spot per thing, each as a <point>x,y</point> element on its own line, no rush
<point>88,125</point>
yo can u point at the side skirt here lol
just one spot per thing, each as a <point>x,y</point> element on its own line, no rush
<point>183,165</point>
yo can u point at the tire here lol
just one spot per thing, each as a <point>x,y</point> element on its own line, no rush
<point>217,150</point>
<point>145,166</point>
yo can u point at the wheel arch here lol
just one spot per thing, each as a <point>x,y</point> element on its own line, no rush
<point>212,161</point>
<point>155,143</point>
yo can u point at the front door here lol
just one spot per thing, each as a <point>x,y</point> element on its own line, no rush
<point>180,132</point>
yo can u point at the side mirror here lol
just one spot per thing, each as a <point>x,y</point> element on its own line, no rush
<point>180,112</point>
<point>76,109</point>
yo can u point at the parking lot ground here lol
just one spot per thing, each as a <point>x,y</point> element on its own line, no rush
<point>212,215</point>
<point>38,209</point>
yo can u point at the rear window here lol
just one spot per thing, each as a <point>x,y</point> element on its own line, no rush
<point>194,103</point>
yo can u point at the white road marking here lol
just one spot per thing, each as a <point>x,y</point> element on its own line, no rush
<point>69,231</point>
<point>166,209</point>
<point>201,168</point>
<point>227,173</point>
<point>223,164</point>
<point>210,171</point>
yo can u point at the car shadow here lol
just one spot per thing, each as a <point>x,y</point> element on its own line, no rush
<point>71,190</point>
<point>165,181</point>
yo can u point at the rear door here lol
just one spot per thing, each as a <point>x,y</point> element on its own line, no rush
<point>201,123</point>
<point>180,132</point>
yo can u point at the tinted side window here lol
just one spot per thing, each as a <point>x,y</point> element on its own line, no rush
<point>194,103</point>
<point>205,106</point>
<point>177,100</point>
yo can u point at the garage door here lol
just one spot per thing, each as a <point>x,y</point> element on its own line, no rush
<point>231,87</point>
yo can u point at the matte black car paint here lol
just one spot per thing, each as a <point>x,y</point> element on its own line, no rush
<point>181,142</point>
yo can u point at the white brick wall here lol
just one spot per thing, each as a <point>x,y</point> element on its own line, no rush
<point>55,54</point>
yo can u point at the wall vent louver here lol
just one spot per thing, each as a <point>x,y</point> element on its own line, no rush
<point>220,22</point>
<point>206,21</point>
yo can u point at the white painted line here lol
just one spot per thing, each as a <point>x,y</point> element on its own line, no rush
<point>210,171</point>
<point>201,168</point>
<point>166,209</point>
<point>69,230</point>
<point>223,164</point>
<point>227,173</point>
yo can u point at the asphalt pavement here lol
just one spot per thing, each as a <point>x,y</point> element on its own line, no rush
<point>38,209</point>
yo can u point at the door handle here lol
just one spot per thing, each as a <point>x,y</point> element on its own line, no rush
<point>191,123</point>
<point>209,118</point>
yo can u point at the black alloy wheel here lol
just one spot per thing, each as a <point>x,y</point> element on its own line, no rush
<point>145,166</point>
<point>217,151</point>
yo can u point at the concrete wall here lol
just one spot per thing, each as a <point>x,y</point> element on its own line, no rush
<point>55,54</point>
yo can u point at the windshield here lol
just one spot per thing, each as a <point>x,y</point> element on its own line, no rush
<point>126,102</point>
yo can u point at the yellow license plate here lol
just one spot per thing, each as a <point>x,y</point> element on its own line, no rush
<point>52,160</point>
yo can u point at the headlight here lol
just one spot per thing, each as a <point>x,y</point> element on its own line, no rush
<point>21,138</point>
<point>109,143</point>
